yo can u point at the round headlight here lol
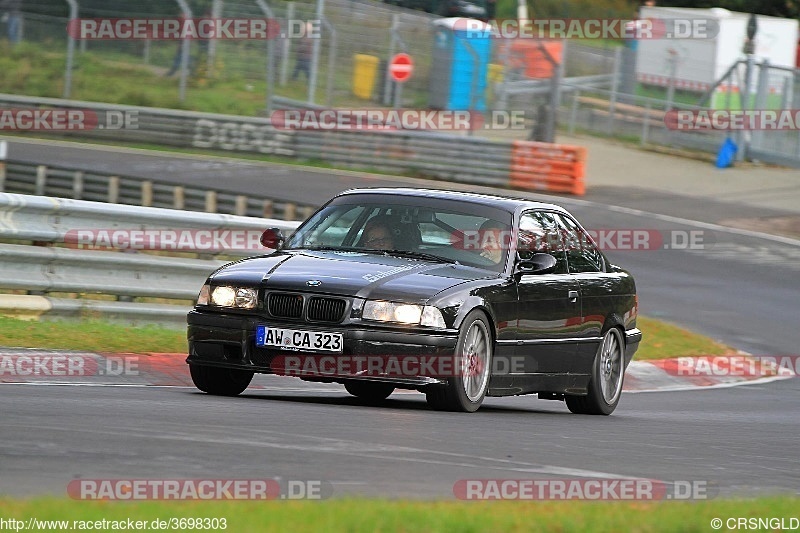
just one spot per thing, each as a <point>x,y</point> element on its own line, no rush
<point>223,296</point>
<point>246,298</point>
<point>377,310</point>
<point>407,314</point>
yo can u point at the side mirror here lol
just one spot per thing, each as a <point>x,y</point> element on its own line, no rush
<point>535,264</point>
<point>272,239</point>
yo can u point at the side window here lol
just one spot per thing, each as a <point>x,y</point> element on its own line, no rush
<point>539,233</point>
<point>582,254</point>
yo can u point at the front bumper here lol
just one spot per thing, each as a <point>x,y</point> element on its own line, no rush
<point>227,340</point>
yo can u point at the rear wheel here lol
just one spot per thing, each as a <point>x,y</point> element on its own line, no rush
<point>220,381</point>
<point>465,392</point>
<point>368,391</point>
<point>608,373</point>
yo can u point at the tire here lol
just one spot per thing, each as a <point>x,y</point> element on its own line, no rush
<point>220,381</point>
<point>466,391</point>
<point>608,374</point>
<point>369,391</point>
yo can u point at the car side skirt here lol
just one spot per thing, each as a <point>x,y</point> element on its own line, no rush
<point>632,339</point>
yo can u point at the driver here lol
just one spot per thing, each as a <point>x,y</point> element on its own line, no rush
<point>378,234</point>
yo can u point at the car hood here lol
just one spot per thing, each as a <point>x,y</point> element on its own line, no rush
<point>357,274</point>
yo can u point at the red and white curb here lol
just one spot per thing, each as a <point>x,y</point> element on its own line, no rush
<point>661,375</point>
<point>62,367</point>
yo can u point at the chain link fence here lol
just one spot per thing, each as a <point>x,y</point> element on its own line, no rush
<point>348,28</point>
<point>596,92</point>
<point>641,116</point>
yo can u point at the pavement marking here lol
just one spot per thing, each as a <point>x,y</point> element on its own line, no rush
<point>705,225</point>
<point>363,450</point>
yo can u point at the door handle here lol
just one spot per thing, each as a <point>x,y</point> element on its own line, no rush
<point>573,296</point>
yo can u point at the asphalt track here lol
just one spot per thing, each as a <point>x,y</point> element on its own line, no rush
<point>741,288</point>
<point>739,440</point>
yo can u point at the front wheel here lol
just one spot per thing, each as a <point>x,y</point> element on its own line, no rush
<point>608,373</point>
<point>220,381</point>
<point>465,391</point>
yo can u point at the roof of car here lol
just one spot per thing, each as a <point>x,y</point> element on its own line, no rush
<point>501,202</point>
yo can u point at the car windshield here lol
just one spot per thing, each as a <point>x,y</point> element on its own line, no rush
<point>420,228</point>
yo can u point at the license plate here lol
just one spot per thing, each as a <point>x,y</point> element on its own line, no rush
<point>295,339</point>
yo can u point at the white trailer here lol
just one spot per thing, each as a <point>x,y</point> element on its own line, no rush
<point>698,63</point>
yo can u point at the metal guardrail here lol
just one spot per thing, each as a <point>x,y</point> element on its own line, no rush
<point>125,276</point>
<point>63,182</point>
<point>467,160</point>
<point>529,87</point>
<point>43,219</point>
<point>444,156</point>
<point>173,127</point>
<point>50,269</point>
<point>637,117</point>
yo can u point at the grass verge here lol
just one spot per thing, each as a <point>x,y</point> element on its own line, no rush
<point>370,515</point>
<point>661,339</point>
<point>93,336</point>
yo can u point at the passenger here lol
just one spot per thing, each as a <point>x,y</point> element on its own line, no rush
<point>493,237</point>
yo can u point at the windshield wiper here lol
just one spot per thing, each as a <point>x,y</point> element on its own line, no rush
<point>402,253</point>
<point>328,248</point>
<point>421,255</point>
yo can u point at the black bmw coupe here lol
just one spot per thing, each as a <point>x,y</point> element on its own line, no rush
<point>456,295</point>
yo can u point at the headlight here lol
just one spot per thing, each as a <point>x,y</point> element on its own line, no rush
<point>432,317</point>
<point>203,297</point>
<point>246,298</point>
<point>239,297</point>
<point>392,312</point>
<point>383,311</point>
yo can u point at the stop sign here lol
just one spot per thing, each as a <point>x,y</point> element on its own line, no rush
<point>401,67</point>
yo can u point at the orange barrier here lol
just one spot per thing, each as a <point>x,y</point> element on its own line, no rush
<point>530,56</point>
<point>548,167</point>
